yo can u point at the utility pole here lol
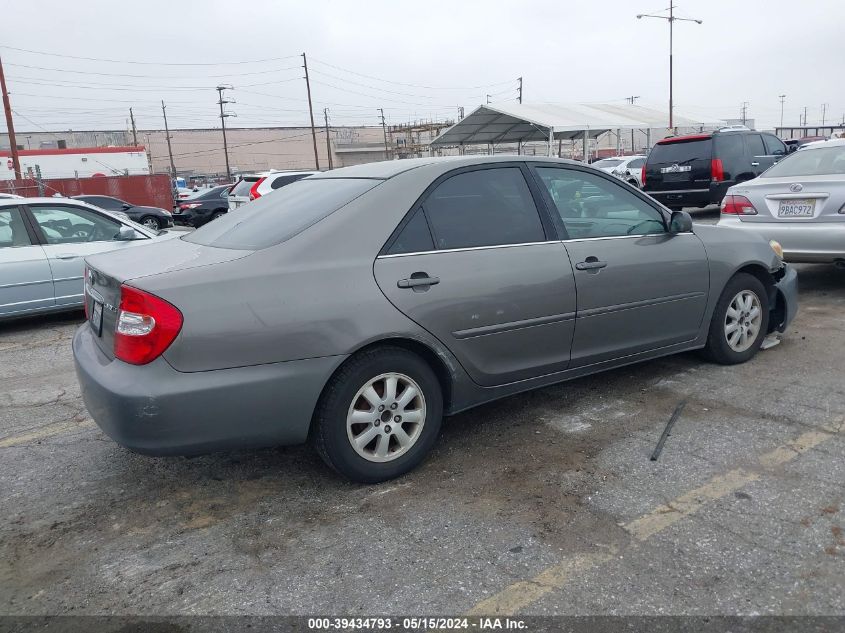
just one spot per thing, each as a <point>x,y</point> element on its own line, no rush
<point>223,116</point>
<point>782,99</point>
<point>744,112</point>
<point>805,117</point>
<point>824,112</point>
<point>632,100</point>
<point>384,129</point>
<point>671,19</point>
<point>13,143</point>
<point>167,136</point>
<point>134,131</point>
<point>460,113</point>
<point>488,98</point>
<point>311,111</point>
<point>328,141</point>
<point>520,89</point>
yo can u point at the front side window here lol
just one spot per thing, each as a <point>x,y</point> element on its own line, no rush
<point>637,163</point>
<point>774,146</point>
<point>591,206</point>
<point>71,225</point>
<point>104,202</point>
<point>12,229</point>
<point>484,207</point>
<point>607,163</point>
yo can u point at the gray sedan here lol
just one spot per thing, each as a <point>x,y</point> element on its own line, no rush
<point>799,202</point>
<point>43,243</point>
<point>357,307</point>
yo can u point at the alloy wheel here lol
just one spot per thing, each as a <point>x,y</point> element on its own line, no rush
<point>742,320</point>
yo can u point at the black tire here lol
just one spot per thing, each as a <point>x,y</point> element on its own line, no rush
<point>149,218</point>
<point>217,214</point>
<point>329,428</point>
<point>717,348</point>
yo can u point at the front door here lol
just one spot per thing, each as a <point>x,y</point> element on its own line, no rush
<point>70,234</point>
<point>639,286</point>
<point>475,266</point>
<point>25,281</point>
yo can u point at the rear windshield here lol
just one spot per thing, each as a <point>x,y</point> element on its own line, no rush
<point>278,217</point>
<point>244,185</point>
<point>810,162</point>
<point>681,151</point>
<point>607,162</point>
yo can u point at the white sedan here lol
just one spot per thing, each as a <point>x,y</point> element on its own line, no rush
<point>43,243</point>
<point>627,168</point>
<point>798,202</point>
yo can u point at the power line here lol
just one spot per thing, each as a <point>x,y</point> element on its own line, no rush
<point>84,72</point>
<point>146,63</point>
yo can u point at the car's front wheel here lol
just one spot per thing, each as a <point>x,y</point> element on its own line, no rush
<point>740,321</point>
<point>151,223</point>
<point>379,416</point>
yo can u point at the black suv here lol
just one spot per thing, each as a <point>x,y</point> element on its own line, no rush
<point>696,170</point>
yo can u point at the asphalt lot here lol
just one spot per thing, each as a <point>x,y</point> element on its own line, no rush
<point>543,503</point>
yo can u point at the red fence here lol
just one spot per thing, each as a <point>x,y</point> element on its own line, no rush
<point>153,191</point>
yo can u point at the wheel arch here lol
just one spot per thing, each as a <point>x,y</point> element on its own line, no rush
<point>777,303</point>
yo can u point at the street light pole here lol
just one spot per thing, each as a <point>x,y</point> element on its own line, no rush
<point>782,99</point>
<point>671,19</point>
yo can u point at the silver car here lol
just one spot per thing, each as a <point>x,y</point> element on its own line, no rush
<point>43,243</point>
<point>359,306</point>
<point>799,202</point>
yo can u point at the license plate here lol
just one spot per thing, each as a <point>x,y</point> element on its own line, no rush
<point>796,208</point>
<point>97,317</point>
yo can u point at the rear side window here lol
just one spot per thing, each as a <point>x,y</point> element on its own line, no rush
<point>274,219</point>
<point>730,150</point>
<point>755,145</point>
<point>243,186</point>
<point>12,229</point>
<point>415,237</point>
<point>485,207</point>
<point>681,152</point>
<point>281,181</point>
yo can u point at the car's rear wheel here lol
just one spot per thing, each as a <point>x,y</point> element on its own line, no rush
<point>740,321</point>
<point>379,416</point>
<point>151,223</point>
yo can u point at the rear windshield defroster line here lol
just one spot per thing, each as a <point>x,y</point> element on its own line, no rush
<point>278,216</point>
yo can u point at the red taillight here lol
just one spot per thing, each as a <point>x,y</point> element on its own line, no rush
<point>738,205</point>
<point>192,205</point>
<point>253,192</point>
<point>146,326</point>
<point>717,172</point>
<point>642,176</point>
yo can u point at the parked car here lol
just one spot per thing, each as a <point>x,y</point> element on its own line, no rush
<point>697,170</point>
<point>358,306</point>
<point>42,245</point>
<point>800,202</point>
<point>153,218</point>
<point>203,208</point>
<point>254,186</point>
<point>628,168</point>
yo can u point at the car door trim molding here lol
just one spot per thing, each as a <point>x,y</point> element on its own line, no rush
<point>26,283</point>
<point>499,328</point>
<point>639,304</point>
<point>466,248</point>
<point>623,237</point>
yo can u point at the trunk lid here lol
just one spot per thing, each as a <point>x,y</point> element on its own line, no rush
<point>794,199</point>
<point>106,273</point>
<point>679,164</point>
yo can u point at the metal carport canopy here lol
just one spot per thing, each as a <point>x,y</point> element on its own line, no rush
<point>521,122</point>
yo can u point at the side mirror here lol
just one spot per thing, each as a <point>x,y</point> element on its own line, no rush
<point>680,222</point>
<point>126,233</point>
<point>126,205</point>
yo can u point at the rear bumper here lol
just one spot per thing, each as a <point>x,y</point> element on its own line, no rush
<point>787,288</point>
<point>803,242</point>
<point>691,197</point>
<point>156,410</point>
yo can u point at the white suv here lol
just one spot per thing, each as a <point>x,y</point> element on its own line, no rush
<point>627,168</point>
<point>256,185</point>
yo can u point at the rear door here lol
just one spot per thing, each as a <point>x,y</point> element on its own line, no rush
<point>681,164</point>
<point>639,286</point>
<point>477,266</point>
<point>25,280</point>
<point>70,234</point>
<point>758,155</point>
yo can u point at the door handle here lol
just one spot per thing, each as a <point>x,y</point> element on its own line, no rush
<point>591,263</point>
<point>755,164</point>
<point>66,256</point>
<point>418,280</point>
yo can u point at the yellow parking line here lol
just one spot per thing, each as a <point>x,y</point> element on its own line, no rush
<point>47,430</point>
<point>521,594</point>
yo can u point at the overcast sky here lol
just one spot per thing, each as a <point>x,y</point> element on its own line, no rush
<point>414,59</point>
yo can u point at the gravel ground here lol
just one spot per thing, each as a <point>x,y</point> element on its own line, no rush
<point>543,503</point>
